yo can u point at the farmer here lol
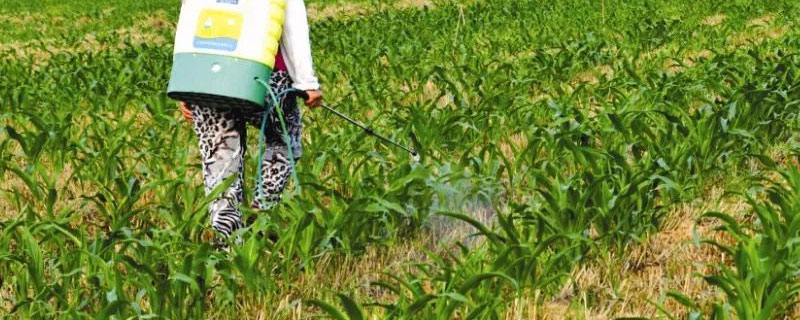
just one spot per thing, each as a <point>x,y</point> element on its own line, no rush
<point>221,132</point>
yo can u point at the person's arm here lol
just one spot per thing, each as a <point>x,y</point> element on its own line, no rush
<point>296,50</point>
<point>183,106</point>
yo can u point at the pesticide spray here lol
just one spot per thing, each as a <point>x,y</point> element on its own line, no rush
<point>224,55</point>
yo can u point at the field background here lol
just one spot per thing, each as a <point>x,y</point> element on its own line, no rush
<point>581,160</point>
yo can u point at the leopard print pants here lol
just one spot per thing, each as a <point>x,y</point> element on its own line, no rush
<point>222,135</point>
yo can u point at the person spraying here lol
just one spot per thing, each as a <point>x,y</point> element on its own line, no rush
<point>220,125</point>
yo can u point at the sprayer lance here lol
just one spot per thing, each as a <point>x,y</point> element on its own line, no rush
<point>367,129</point>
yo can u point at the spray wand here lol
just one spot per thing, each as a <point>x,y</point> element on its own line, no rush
<point>367,129</point>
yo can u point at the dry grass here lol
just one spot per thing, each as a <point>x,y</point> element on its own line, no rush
<point>614,286</point>
<point>511,146</point>
<point>593,75</point>
<point>334,273</point>
<point>757,36</point>
<point>12,184</point>
<point>418,93</point>
<point>5,295</point>
<point>150,27</point>
<point>621,286</point>
<point>672,66</point>
<point>715,20</point>
<point>44,23</point>
<point>22,18</point>
<point>759,30</point>
<point>762,21</point>
<point>320,11</point>
<point>585,77</point>
<point>145,31</point>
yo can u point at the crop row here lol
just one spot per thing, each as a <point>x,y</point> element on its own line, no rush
<point>563,118</point>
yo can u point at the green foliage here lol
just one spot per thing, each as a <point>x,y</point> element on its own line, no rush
<point>562,121</point>
<point>762,283</point>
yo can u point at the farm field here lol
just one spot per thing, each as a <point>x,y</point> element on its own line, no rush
<point>580,160</point>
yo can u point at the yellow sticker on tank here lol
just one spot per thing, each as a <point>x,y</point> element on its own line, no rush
<point>218,30</point>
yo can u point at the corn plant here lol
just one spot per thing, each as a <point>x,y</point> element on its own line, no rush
<point>558,117</point>
<point>762,283</point>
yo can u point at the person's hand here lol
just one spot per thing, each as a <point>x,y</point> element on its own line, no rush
<point>185,110</point>
<point>314,98</point>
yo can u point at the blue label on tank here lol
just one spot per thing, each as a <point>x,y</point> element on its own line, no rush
<point>228,1</point>
<point>224,44</point>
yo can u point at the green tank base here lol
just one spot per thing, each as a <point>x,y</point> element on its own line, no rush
<point>217,81</point>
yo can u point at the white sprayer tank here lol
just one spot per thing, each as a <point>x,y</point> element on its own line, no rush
<point>221,47</point>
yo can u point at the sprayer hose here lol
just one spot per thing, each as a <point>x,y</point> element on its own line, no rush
<point>279,110</point>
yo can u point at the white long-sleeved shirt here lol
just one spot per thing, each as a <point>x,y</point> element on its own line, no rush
<point>296,46</point>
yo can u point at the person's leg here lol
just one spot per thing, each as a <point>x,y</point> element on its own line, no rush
<point>276,167</point>
<point>221,134</point>
<point>275,172</point>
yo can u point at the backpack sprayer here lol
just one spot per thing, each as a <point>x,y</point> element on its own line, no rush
<point>224,55</point>
<point>222,47</point>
